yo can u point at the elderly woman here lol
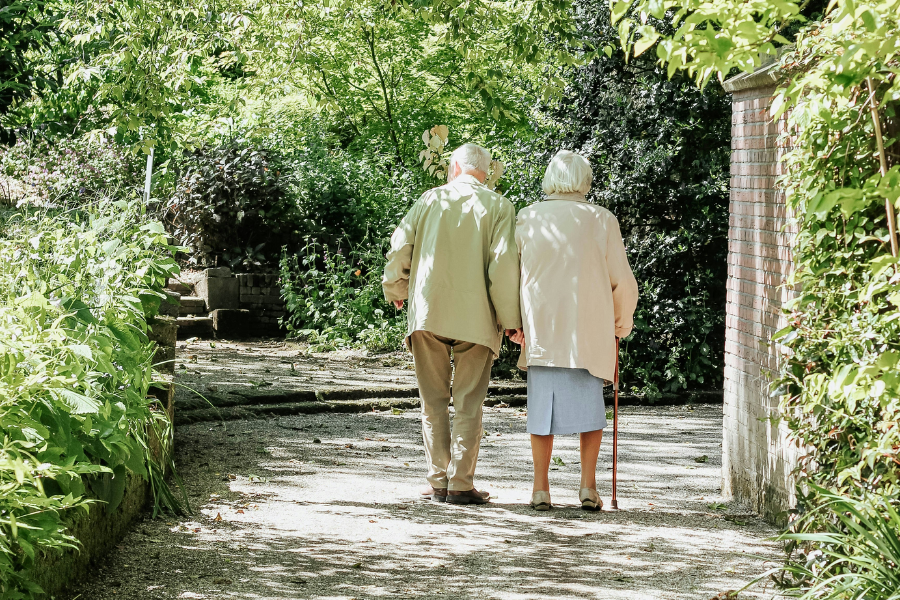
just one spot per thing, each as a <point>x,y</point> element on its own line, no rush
<point>578,295</point>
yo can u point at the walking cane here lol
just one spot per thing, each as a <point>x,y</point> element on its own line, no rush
<point>613,503</point>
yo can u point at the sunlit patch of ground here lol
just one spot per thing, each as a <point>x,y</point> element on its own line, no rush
<point>326,507</point>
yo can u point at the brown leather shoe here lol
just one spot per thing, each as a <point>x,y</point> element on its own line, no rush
<point>472,496</point>
<point>436,494</point>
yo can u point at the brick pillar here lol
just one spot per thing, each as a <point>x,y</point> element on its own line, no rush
<point>756,459</point>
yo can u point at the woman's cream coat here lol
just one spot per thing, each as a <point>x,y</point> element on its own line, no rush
<point>578,293</point>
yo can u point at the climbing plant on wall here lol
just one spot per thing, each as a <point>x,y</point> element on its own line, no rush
<point>840,387</point>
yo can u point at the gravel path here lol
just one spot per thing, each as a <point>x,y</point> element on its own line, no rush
<point>326,506</point>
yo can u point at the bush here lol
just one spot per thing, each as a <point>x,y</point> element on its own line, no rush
<point>336,300</point>
<point>230,203</point>
<point>857,552</point>
<point>68,171</point>
<point>76,291</point>
<point>840,379</point>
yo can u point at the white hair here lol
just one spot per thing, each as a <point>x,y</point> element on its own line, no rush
<point>471,157</point>
<point>567,173</point>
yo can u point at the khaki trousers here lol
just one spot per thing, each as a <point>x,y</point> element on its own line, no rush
<point>451,455</point>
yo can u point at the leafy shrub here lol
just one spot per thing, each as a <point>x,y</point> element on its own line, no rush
<point>337,301</point>
<point>857,555</point>
<point>229,202</point>
<point>840,381</point>
<point>67,171</point>
<point>76,291</point>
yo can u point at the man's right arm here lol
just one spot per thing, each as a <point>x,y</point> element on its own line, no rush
<point>395,282</point>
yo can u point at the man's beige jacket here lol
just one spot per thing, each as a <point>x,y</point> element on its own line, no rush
<point>578,291</point>
<point>454,258</point>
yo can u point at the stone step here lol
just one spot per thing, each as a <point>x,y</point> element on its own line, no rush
<point>182,288</point>
<point>192,305</point>
<point>191,326</point>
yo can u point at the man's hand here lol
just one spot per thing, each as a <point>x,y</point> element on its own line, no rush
<point>516,336</point>
<point>398,304</point>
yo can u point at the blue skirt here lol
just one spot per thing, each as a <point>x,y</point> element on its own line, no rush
<point>562,401</point>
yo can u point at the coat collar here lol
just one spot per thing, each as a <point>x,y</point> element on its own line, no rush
<point>574,196</point>
<point>466,178</point>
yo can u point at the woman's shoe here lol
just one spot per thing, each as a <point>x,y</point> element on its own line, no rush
<point>590,499</point>
<point>540,501</point>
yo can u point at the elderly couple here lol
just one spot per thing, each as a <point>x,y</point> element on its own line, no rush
<point>556,280</point>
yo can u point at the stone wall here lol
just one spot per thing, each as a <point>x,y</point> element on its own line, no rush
<point>756,459</point>
<point>100,529</point>
<point>261,295</point>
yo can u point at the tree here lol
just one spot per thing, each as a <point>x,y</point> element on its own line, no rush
<point>25,27</point>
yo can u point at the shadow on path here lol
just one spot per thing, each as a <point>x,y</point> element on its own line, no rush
<point>327,507</point>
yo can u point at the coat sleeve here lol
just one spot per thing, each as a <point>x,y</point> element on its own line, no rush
<point>395,281</point>
<point>624,285</point>
<point>503,268</point>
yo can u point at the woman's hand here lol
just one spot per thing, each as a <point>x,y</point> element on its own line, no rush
<point>516,336</point>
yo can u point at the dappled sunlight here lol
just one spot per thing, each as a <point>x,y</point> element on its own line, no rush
<point>332,511</point>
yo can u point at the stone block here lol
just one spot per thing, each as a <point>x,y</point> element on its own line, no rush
<point>201,327</point>
<point>163,331</point>
<point>164,359</point>
<point>231,323</point>
<point>169,306</point>
<point>179,287</point>
<point>217,272</point>
<point>219,292</point>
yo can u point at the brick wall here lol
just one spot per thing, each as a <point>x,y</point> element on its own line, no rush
<point>261,295</point>
<point>756,460</point>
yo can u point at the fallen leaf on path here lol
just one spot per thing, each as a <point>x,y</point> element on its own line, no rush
<point>372,521</point>
<point>218,517</point>
<point>357,566</point>
<point>240,512</point>
<point>729,595</point>
<point>701,459</point>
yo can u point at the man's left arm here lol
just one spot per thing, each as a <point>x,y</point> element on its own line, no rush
<point>503,270</point>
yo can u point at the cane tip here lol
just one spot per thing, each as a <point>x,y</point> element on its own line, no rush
<point>614,505</point>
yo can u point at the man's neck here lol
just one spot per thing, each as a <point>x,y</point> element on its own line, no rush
<point>477,175</point>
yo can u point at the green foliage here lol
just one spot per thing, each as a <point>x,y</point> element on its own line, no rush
<point>858,552</point>
<point>67,172</point>
<point>337,301</point>
<point>25,28</point>
<point>708,38</point>
<point>229,199</point>
<point>840,384</point>
<point>76,291</point>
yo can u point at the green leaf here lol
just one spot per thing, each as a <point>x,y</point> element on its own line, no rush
<point>79,403</point>
<point>648,37</point>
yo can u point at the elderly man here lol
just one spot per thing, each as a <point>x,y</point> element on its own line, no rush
<point>454,257</point>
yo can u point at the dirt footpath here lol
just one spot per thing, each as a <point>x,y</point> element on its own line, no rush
<point>326,506</point>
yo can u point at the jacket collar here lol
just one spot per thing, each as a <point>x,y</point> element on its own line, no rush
<point>574,196</point>
<point>466,178</point>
